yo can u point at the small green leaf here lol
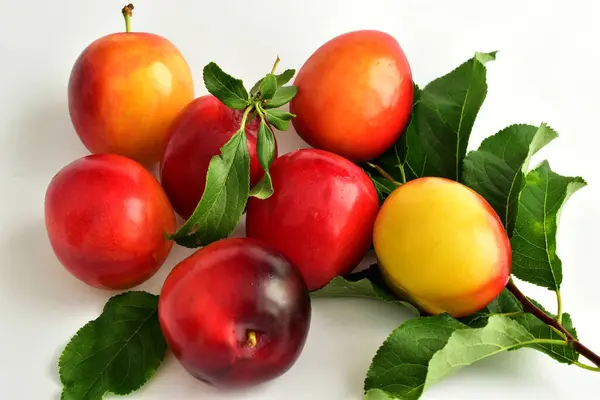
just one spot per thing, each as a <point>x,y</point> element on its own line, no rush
<point>283,96</point>
<point>400,366</point>
<point>282,79</point>
<point>497,169</point>
<point>265,149</point>
<point>534,237</point>
<point>268,87</point>
<point>225,195</point>
<point>279,119</point>
<point>118,352</point>
<point>228,90</point>
<point>468,346</point>
<point>285,77</point>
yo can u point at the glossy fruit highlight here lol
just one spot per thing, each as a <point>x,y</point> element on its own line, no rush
<point>321,215</point>
<point>106,217</point>
<point>442,245</point>
<point>355,95</point>
<point>235,313</point>
<point>198,134</point>
<point>125,89</point>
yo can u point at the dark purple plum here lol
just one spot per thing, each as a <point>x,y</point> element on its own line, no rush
<point>236,313</point>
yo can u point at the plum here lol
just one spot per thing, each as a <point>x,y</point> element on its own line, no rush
<point>441,245</point>
<point>236,313</point>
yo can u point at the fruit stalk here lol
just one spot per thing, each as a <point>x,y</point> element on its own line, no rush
<point>384,173</point>
<point>251,339</point>
<point>127,14</point>
<point>528,306</point>
<point>275,65</point>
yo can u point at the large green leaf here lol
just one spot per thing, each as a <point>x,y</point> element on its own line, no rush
<point>506,303</point>
<point>436,140</point>
<point>534,237</point>
<point>400,366</point>
<point>225,195</point>
<point>468,346</point>
<point>118,352</point>
<point>497,169</point>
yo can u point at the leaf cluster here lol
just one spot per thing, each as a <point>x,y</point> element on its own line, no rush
<point>527,200</point>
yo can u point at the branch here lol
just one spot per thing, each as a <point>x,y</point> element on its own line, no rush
<point>528,306</point>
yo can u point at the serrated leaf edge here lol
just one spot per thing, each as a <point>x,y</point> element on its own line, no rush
<point>150,373</point>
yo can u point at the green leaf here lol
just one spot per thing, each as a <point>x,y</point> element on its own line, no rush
<point>361,288</point>
<point>378,394</point>
<point>279,119</point>
<point>468,346</point>
<point>400,366</point>
<point>118,352</point>
<point>436,139</point>
<point>285,77</point>
<point>507,303</point>
<point>283,96</point>
<point>497,169</point>
<point>226,192</point>
<point>268,87</point>
<point>534,237</point>
<point>228,90</point>
<point>540,330</point>
<point>364,288</point>
<point>265,149</point>
<point>282,79</point>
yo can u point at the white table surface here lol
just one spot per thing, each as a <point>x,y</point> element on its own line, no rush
<point>547,70</point>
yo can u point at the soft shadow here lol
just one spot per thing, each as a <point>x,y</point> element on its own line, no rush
<point>350,332</point>
<point>522,367</point>
<point>171,378</point>
<point>53,368</point>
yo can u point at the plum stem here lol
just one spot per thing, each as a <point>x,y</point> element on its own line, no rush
<point>528,306</point>
<point>127,14</point>
<point>245,117</point>
<point>383,173</point>
<point>275,65</point>
<point>251,339</point>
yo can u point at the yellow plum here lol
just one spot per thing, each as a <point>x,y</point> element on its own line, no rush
<point>441,245</point>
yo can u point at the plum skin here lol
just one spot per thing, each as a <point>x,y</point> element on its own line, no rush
<point>198,133</point>
<point>372,71</point>
<point>124,91</point>
<point>441,245</point>
<point>235,313</point>
<point>105,217</point>
<point>320,216</point>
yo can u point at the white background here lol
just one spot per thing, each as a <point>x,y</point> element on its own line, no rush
<point>547,70</point>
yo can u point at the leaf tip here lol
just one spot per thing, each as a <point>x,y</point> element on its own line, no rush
<point>485,57</point>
